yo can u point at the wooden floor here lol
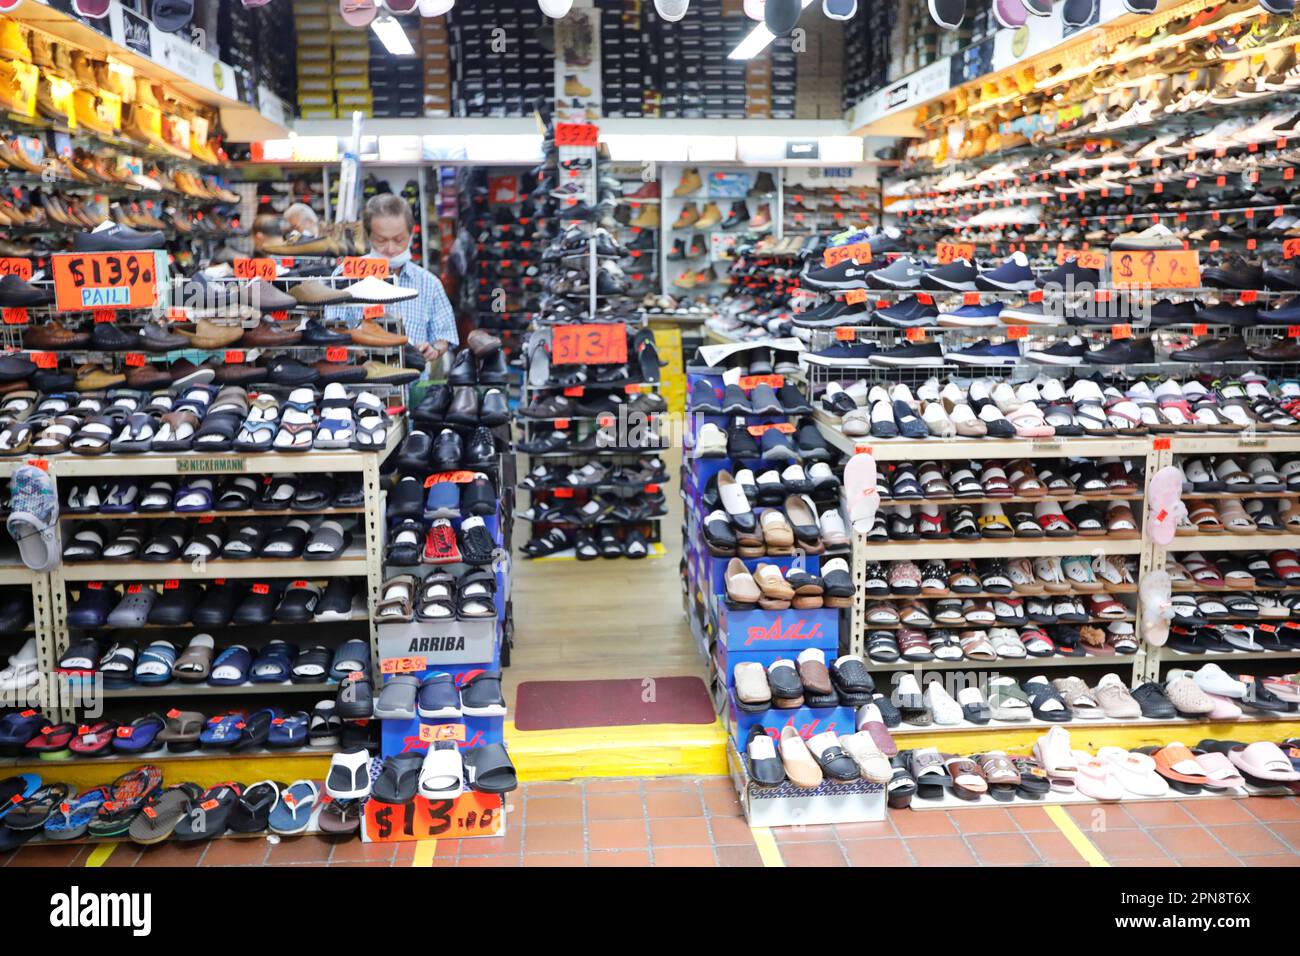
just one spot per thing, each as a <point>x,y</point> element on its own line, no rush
<point>583,620</point>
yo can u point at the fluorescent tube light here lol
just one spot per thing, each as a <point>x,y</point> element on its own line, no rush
<point>757,41</point>
<point>392,36</point>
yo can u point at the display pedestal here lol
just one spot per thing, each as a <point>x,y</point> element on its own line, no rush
<point>788,805</point>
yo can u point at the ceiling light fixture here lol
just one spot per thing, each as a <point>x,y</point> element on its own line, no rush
<point>392,36</point>
<point>757,41</point>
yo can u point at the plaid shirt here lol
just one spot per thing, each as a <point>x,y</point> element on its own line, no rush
<point>425,319</point>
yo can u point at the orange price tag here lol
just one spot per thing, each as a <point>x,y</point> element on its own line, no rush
<point>42,463</point>
<point>562,424</point>
<point>595,344</point>
<point>576,134</point>
<point>134,359</point>
<point>12,266</point>
<point>845,333</point>
<point>104,315</point>
<point>1017,331</point>
<point>402,665</point>
<point>458,477</point>
<point>336,353</point>
<point>575,391</point>
<point>859,252</point>
<point>750,382</point>
<point>1156,269</point>
<point>947,252</point>
<point>563,492</point>
<point>1290,247</point>
<point>1199,328</point>
<point>178,314</point>
<point>1293,331</point>
<point>757,430</point>
<point>234,356</point>
<point>373,312</point>
<point>854,296</point>
<point>1085,258</point>
<point>916,335</point>
<point>102,280</point>
<point>1160,444</point>
<point>1123,331</point>
<point>263,269</point>
<point>432,733</point>
<point>364,267</point>
<point>15,316</point>
<point>970,298</point>
<point>171,584</point>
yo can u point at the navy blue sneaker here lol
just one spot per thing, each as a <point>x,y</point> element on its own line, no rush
<point>443,500</point>
<point>1014,275</point>
<point>831,315</point>
<point>985,352</point>
<point>777,446</point>
<point>841,353</point>
<point>844,276</point>
<point>910,353</point>
<point>957,276</point>
<point>971,316</point>
<point>1069,275</point>
<point>907,313</point>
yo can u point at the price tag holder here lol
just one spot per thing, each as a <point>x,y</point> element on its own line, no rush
<point>364,267</point>
<point>104,280</point>
<point>263,269</point>
<point>947,252</point>
<point>1156,269</point>
<point>597,344</point>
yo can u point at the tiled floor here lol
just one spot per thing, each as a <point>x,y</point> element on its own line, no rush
<point>682,821</point>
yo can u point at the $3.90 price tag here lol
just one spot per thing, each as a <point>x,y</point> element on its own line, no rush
<point>364,267</point>
<point>263,269</point>
<point>604,344</point>
<point>104,280</point>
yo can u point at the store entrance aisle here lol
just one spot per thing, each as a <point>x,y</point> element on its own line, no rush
<point>587,621</point>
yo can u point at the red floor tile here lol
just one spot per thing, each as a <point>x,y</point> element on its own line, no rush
<point>303,849</point>
<point>609,785</point>
<point>684,803</point>
<point>504,859</point>
<point>729,831</point>
<point>1032,819</point>
<point>354,851</point>
<point>235,851</point>
<point>739,856</point>
<point>1054,848</point>
<point>683,831</point>
<point>685,856</point>
<point>556,789</point>
<point>1280,859</point>
<point>884,851</point>
<point>1249,839</point>
<point>865,831</point>
<point>813,854</point>
<point>1274,808</point>
<point>991,820</point>
<point>616,835</point>
<point>1127,845</point>
<point>175,854</point>
<point>1002,848</point>
<point>818,833</point>
<point>924,823</point>
<point>52,855</point>
<point>1185,842</point>
<point>940,851</point>
<point>618,858</point>
<point>553,838</point>
<point>1159,814</point>
<point>554,859</point>
<point>614,806</point>
<point>1219,812</point>
<point>567,809</point>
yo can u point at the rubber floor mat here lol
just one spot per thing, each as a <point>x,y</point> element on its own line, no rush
<point>560,704</point>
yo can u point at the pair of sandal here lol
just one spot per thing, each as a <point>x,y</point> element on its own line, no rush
<point>469,597</point>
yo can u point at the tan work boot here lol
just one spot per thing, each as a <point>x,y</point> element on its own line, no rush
<point>687,217</point>
<point>690,182</point>
<point>710,217</point>
<point>647,218</point>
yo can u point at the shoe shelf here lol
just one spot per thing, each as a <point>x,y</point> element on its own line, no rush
<point>996,547</point>
<point>1233,542</point>
<point>353,563</point>
<point>947,449</point>
<point>324,688</point>
<point>1171,654</point>
<point>218,515</point>
<point>1117,661</point>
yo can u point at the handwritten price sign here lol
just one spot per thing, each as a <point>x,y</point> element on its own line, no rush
<point>947,252</point>
<point>363,267</point>
<point>576,134</point>
<point>22,268</point>
<point>104,280</point>
<point>1156,269</point>
<point>472,814</point>
<point>859,252</point>
<point>1085,258</point>
<point>589,345</point>
<point>263,269</point>
<point>1290,248</point>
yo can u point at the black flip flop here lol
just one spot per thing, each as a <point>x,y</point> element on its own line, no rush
<point>399,780</point>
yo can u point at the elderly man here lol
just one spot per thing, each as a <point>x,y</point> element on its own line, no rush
<point>428,320</point>
<point>301,219</point>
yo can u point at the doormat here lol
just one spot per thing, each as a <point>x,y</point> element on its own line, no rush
<point>563,704</point>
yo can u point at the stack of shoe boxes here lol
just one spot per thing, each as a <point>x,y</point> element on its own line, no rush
<point>818,70</point>
<point>783,81</point>
<point>315,59</point>
<point>351,75</point>
<point>252,39</point>
<point>435,51</point>
<point>500,67</point>
<point>697,79</point>
<point>758,87</point>
<point>396,82</point>
<point>623,60</point>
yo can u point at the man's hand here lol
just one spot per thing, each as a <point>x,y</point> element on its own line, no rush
<point>433,352</point>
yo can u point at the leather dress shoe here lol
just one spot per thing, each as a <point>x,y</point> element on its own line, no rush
<point>54,336</point>
<point>371,333</point>
<point>313,292</point>
<point>1276,350</point>
<point>342,372</point>
<point>447,451</point>
<point>463,370</point>
<point>478,497</point>
<point>494,408</point>
<point>15,368</point>
<point>433,407</point>
<point>482,343</point>
<point>316,332</point>
<point>383,374</point>
<point>107,337</point>
<point>184,372</point>
<point>414,455</point>
<point>210,335</point>
<point>51,380</point>
<point>292,373</point>
<point>157,337</point>
<point>241,373</point>
<point>406,500</point>
<point>17,294</point>
<point>269,334</point>
<point>117,238</point>
<point>464,408</point>
<point>94,378</point>
<point>481,449</point>
<point>267,298</point>
<point>493,369</point>
<point>148,377</point>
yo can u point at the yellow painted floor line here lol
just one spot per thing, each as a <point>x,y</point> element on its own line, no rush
<point>768,851</point>
<point>1085,847</point>
<point>100,854</point>
<point>424,851</point>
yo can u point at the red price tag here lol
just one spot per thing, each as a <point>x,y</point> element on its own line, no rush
<point>1085,258</point>
<point>15,316</point>
<point>575,391</point>
<point>336,353</point>
<point>576,134</point>
<point>403,665</point>
<point>970,298</point>
<point>261,588</point>
<point>456,477</point>
<point>171,584</point>
<point>750,382</point>
<point>1160,444</point>
<point>561,424</point>
<point>1017,331</point>
<point>134,588</point>
<point>1290,247</point>
<point>234,356</point>
<point>373,312</point>
<point>564,492</point>
<point>134,359</point>
<point>1121,331</point>
<point>263,269</point>
<point>859,252</point>
<point>603,344</point>
<point>103,315</point>
<point>854,296</point>
<point>916,335</point>
<point>11,266</point>
<point>845,333</point>
<point>947,252</point>
<point>364,267</point>
<point>99,280</point>
<point>1199,328</point>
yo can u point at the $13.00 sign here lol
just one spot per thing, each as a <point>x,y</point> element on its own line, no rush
<point>104,280</point>
<point>589,345</point>
<point>472,814</point>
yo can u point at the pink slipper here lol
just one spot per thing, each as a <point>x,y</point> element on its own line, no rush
<point>1219,771</point>
<point>1224,709</point>
<point>860,493</point>
<point>1156,594</point>
<point>1265,761</point>
<point>1030,423</point>
<point>1165,507</point>
<point>1095,778</point>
